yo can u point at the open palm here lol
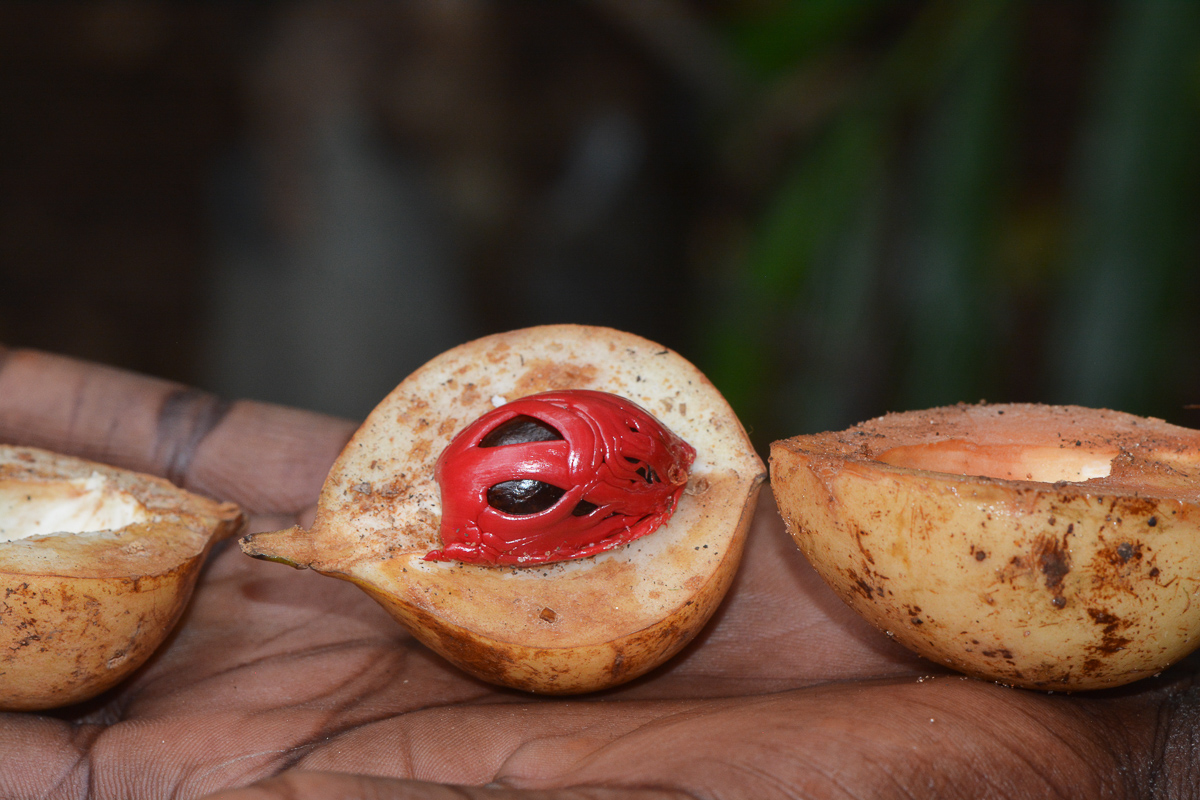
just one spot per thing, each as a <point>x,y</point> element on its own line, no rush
<point>289,684</point>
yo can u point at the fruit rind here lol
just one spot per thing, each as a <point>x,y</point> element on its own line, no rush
<point>1054,585</point>
<point>81,611</point>
<point>563,627</point>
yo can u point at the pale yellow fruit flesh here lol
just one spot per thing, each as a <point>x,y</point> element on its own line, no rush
<point>1052,547</point>
<point>566,627</point>
<point>96,567</point>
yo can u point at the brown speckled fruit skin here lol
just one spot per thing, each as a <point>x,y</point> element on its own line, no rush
<point>66,640</point>
<point>1067,585</point>
<point>80,612</point>
<point>582,667</point>
<point>560,628</point>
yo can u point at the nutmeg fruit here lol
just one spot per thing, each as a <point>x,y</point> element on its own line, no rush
<point>96,566</point>
<point>1050,547</point>
<point>569,626</point>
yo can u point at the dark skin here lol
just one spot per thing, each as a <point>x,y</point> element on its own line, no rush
<point>287,684</point>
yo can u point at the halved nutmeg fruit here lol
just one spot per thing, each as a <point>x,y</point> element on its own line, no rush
<point>557,509</point>
<point>1051,547</point>
<point>96,567</point>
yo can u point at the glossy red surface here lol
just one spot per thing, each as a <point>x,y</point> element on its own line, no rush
<point>621,473</point>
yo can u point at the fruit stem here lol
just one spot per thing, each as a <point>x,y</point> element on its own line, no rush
<point>291,546</point>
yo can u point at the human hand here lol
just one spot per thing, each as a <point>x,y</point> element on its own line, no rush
<point>294,685</point>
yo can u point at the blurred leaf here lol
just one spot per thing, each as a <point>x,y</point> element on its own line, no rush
<point>834,180</point>
<point>954,189</point>
<point>775,36</point>
<point>827,383</point>
<point>1135,198</point>
<point>935,46</point>
<point>807,214</point>
<point>813,205</point>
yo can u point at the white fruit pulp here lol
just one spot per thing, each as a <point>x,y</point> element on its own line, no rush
<point>30,509</point>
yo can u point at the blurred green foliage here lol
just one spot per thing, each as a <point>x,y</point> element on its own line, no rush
<point>916,247</point>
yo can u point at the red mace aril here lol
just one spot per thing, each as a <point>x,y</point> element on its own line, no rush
<point>557,476</point>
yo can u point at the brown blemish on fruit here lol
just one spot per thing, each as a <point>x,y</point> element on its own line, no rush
<point>412,409</point>
<point>470,395</point>
<point>498,353</point>
<point>367,498</point>
<point>1111,642</point>
<point>544,375</point>
<point>1054,562</point>
<point>858,539</point>
<point>1049,557</point>
<point>399,485</point>
<point>618,666</point>
<point>865,589</point>
<point>420,450</point>
<point>1114,568</point>
<point>1133,506</point>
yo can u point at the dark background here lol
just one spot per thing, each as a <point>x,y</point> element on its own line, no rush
<point>835,208</point>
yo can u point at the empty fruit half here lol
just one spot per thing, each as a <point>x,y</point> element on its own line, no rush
<point>547,575</point>
<point>96,566</point>
<point>1051,547</point>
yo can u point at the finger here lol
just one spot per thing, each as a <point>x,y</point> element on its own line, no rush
<point>267,458</point>
<point>43,757</point>
<point>85,409</point>
<point>326,786</point>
